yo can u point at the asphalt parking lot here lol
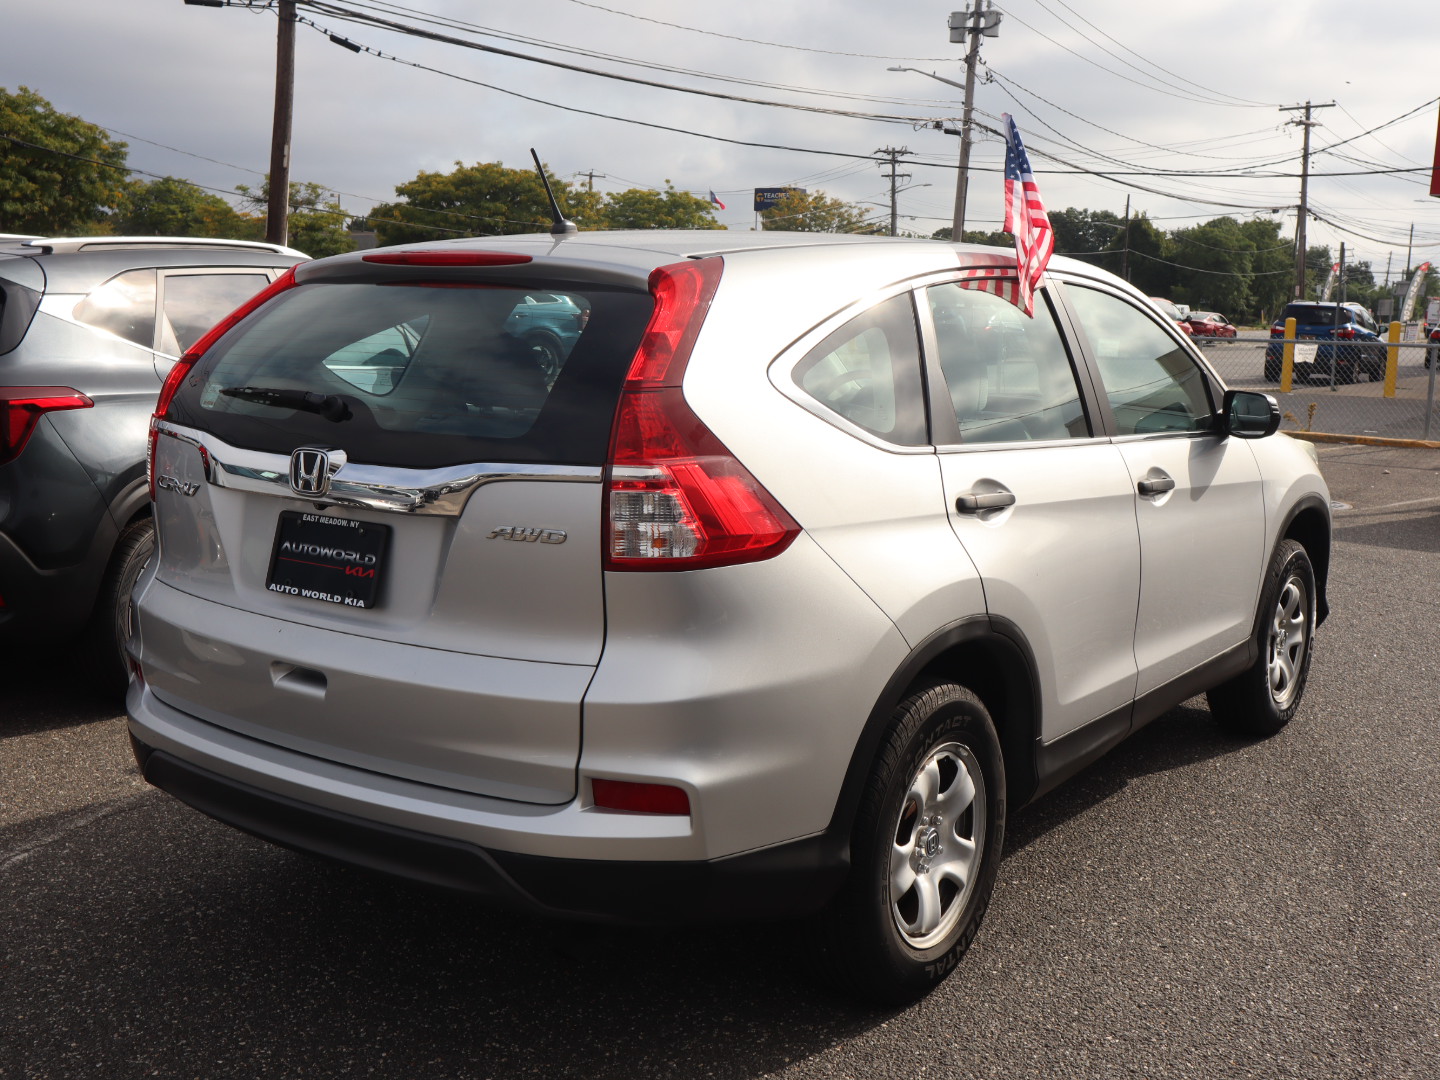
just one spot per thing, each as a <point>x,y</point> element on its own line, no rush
<point>1192,906</point>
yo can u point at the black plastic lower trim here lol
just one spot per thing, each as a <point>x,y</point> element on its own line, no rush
<point>786,880</point>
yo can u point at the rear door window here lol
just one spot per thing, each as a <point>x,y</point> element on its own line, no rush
<point>423,375</point>
<point>192,303</point>
<point>1009,376</point>
<point>124,306</point>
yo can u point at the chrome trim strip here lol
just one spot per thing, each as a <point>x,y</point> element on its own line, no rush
<point>440,492</point>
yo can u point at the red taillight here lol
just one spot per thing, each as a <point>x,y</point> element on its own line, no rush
<point>181,367</point>
<point>21,408</point>
<point>676,498</point>
<point>640,798</point>
<point>446,258</point>
<point>1277,331</point>
<point>1345,333</point>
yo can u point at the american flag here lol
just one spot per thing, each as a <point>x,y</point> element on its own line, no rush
<point>1025,217</point>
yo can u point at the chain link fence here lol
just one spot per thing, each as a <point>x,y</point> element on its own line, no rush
<point>1354,389</point>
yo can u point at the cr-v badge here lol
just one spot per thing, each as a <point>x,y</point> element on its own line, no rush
<point>170,483</point>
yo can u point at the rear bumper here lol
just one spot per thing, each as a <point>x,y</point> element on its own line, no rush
<point>786,880</point>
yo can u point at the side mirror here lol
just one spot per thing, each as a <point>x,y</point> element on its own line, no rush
<point>1249,415</point>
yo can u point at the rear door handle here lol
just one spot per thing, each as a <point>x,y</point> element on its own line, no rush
<point>1156,485</point>
<point>990,500</point>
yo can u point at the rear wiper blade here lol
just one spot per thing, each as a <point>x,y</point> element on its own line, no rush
<point>330,406</point>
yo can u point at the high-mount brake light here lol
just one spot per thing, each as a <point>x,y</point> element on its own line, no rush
<point>446,258</point>
<point>181,368</point>
<point>21,408</point>
<point>675,497</point>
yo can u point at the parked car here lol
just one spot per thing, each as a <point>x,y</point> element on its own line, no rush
<point>1346,343</point>
<point>1209,325</point>
<point>752,610</point>
<point>1434,338</point>
<point>1172,311</point>
<point>89,328</point>
<point>549,324</point>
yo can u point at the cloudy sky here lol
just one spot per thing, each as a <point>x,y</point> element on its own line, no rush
<point>1180,104</point>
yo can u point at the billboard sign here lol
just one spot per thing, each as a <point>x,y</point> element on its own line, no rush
<point>766,197</point>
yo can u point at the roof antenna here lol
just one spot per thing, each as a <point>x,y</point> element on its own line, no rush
<point>560,226</point>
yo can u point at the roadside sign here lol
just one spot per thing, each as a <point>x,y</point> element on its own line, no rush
<point>766,197</point>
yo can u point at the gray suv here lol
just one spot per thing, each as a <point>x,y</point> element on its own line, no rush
<point>88,330</point>
<point>805,560</point>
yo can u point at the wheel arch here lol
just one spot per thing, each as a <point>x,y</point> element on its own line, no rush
<point>1308,524</point>
<point>989,656</point>
<point>132,504</point>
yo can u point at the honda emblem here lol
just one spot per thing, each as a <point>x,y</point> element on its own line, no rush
<point>310,471</point>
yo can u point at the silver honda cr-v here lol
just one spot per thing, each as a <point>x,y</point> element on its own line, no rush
<point>767,592</point>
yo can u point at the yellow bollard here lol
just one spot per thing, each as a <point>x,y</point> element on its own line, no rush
<point>1287,361</point>
<point>1392,359</point>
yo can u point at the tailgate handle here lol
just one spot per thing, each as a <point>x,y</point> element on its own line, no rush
<point>298,680</point>
<point>990,500</point>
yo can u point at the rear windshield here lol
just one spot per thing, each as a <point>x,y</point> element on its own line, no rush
<point>423,375</point>
<point>1315,314</point>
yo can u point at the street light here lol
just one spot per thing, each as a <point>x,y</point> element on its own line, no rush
<point>980,21</point>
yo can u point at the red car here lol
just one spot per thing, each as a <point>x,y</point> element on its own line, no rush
<point>1174,313</point>
<point>1210,324</point>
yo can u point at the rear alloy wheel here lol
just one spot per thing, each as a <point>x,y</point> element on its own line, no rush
<point>112,622</point>
<point>925,849</point>
<point>548,356</point>
<point>1264,698</point>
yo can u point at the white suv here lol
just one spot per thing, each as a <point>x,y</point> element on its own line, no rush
<point>807,558</point>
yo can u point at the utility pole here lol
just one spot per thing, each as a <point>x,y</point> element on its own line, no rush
<point>1305,124</point>
<point>972,23</point>
<point>277,216</point>
<point>277,213</point>
<point>590,178</point>
<point>894,177</point>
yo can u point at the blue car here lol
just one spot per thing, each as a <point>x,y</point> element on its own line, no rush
<point>1346,343</point>
<point>549,324</point>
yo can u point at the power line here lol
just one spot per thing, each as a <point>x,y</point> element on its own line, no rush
<point>755,41</point>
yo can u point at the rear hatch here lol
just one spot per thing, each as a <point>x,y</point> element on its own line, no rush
<point>379,506</point>
<point>1314,320</point>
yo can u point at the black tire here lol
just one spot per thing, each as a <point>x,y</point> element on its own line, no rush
<point>1374,363</point>
<point>1272,370</point>
<point>892,950</point>
<point>109,626</point>
<point>1264,698</point>
<point>548,356</point>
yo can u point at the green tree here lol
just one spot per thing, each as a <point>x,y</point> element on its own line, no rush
<point>814,211</point>
<point>58,173</point>
<point>1272,269</point>
<point>639,208</point>
<point>1138,253</point>
<point>484,199</point>
<point>1084,234</point>
<point>173,207</point>
<point>1213,271</point>
<point>316,221</point>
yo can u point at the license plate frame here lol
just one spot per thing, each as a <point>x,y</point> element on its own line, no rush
<point>329,559</point>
